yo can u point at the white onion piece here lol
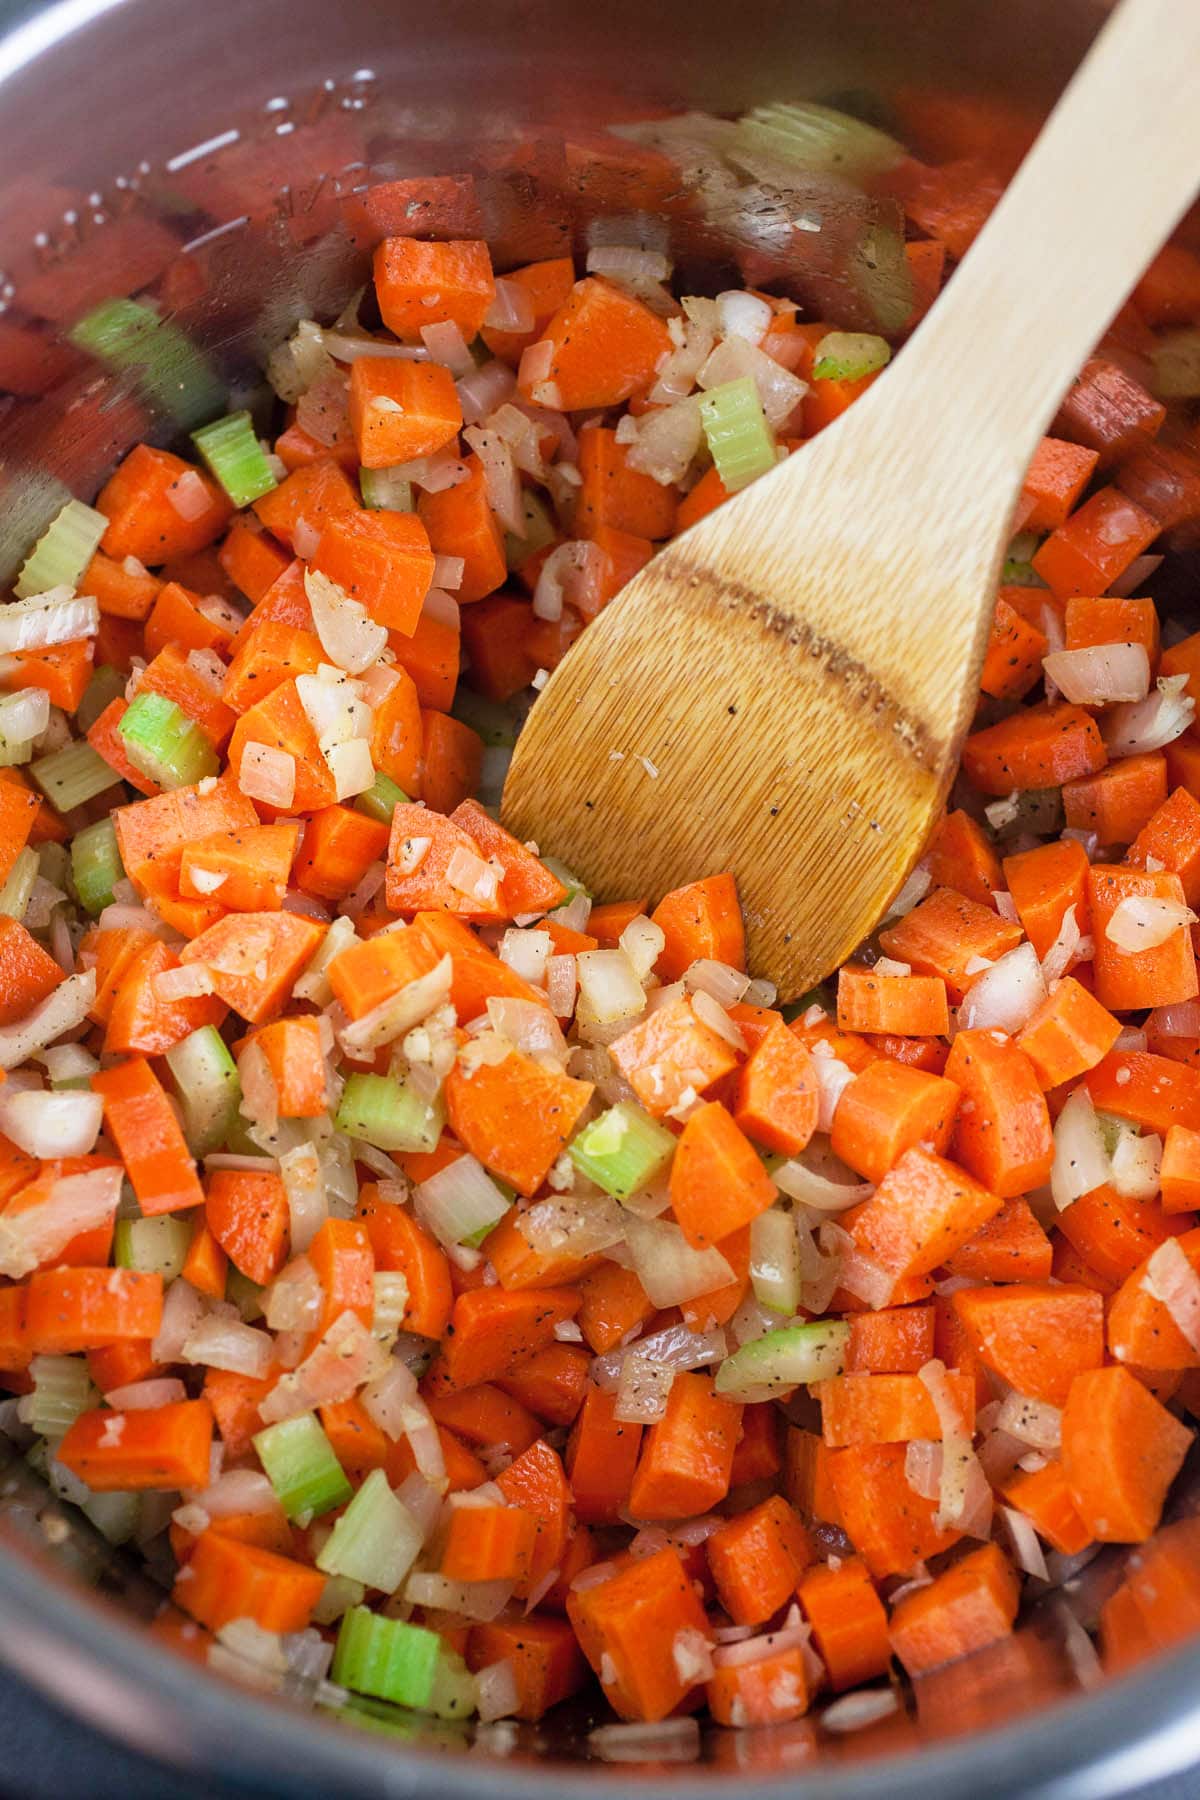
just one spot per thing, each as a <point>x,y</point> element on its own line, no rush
<point>24,715</point>
<point>477,1600</point>
<point>744,315</point>
<point>676,374</point>
<point>628,264</point>
<point>511,308</point>
<point>496,1688</point>
<point>73,1203</point>
<point>67,1007</point>
<point>1032,1422</point>
<point>1027,1551</point>
<point>1069,947</point>
<point>799,1182</point>
<point>923,1467</point>
<point>853,1712</point>
<point>482,390</point>
<point>667,1266</point>
<point>779,391</point>
<point>527,953</point>
<point>347,347</point>
<point>145,1396</point>
<point>1171,1279</point>
<point>572,572</point>
<point>268,774</point>
<point>609,989</point>
<point>47,1124</point>
<point>573,1224</point>
<point>447,345</point>
<point>1080,1160</point>
<point>323,410</point>
<point>397,1015</point>
<point>500,479</point>
<point>220,1343</point>
<point>1144,921</point>
<point>724,984</point>
<point>1136,1165</point>
<point>346,1356</point>
<point>1006,996</point>
<point>1100,673</point>
<point>349,637</point>
<point>1152,723</point>
<point>964,1494</point>
<point>666,441</point>
<point>912,892</point>
<point>833,1078</point>
<point>55,617</point>
<point>183,1308</point>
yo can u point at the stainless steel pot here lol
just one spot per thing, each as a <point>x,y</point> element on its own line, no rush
<point>212,158</point>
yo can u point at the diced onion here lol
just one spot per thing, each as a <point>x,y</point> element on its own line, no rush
<point>497,1696</point>
<point>1180,1020</point>
<point>744,315</point>
<point>573,1224</point>
<point>144,1396</point>
<point>183,1308</point>
<point>1080,1159</point>
<point>1033,1422</point>
<point>1069,947</point>
<point>667,1266</point>
<point>1027,1551</point>
<point>24,715</point>
<point>55,617</point>
<point>726,985</point>
<point>1136,1165</point>
<point>72,1204</point>
<point>1171,1279</point>
<point>67,1007</point>
<point>833,1078</point>
<point>964,1494</point>
<point>1006,996</point>
<point>572,572</point>
<point>48,1124</point>
<point>609,989</point>
<point>1152,723</point>
<point>349,637</point>
<point>220,1343</point>
<point>779,390</point>
<point>1144,922</point>
<point>923,1467</point>
<point>1100,673</point>
<point>500,479</point>
<point>447,345</point>
<point>666,441</point>
<point>397,1015</point>
<point>482,390</point>
<point>268,774</point>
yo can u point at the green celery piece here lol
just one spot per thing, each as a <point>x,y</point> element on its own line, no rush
<point>849,355</point>
<point>209,1088</point>
<point>623,1150</point>
<point>243,1293</point>
<point>790,1357</point>
<point>386,1658</point>
<point>157,1245</point>
<point>235,456</point>
<point>14,895</point>
<point>494,722</point>
<point>307,1477</point>
<point>381,799</point>
<point>164,744</point>
<point>388,1115</point>
<point>735,425</point>
<point>375,1541</point>
<point>454,1694</point>
<point>63,551</point>
<point>73,775</point>
<point>62,1389</point>
<point>384,491</point>
<point>168,368</point>
<point>96,865</point>
<point>107,684</point>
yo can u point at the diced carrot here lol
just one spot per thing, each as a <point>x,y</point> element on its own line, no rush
<point>1013,661</point>
<point>139,1023</point>
<point>488,1543</point>
<point>61,671</point>
<point>515,1116</point>
<point>628,1626</point>
<point>777,1094</point>
<point>885,1409</point>
<point>140,1120</point>
<point>491,1329</point>
<point>1044,1497</point>
<point>280,723</point>
<point>159,506</point>
<point>1054,481</point>
<point>1121,1450</point>
<point>1095,545</point>
<point>1043,883</point>
<point>671,1051</point>
<point>1068,1034</point>
<point>254,958</point>
<point>945,933</point>
<point>527,885</point>
<point>551,1383</point>
<point>964,1609</point>
<point>275,652</point>
<point>1002,1127</point>
<point>702,919</point>
<point>757,1457</point>
<point>614,494</point>
<point>685,1465</point>
<point>225,1580</point>
<point>1152,1091</point>
<point>27,972</point>
<point>808,1476</point>
<point>1179,1173</point>
<point>431,657</point>
<point>85,1308</point>
<point>601,1456</point>
<point>451,761</point>
<point>604,345</point>
<point>849,1623</point>
<point>158,1447</point>
<point>1112,620</point>
<point>890,1525</point>
<point>960,856</point>
<point>887,1109</point>
<point>371,971</point>
<point>1171,836</point>
<point>717,1181</point>
<point>310,496</point>
<point>1120,801</point>
<point>613,1303</point>
<point>1164,479</point>
<point>709,492</point>
<point>152,834</point>
<point>339,847</point>
<point>252,560</point>
<point>285,603</point>
<point>767,1690</point>
<point>1035,747</point>
<point>205,1265</point>
<point>1011,1247</point>
<point>546,286</point>
<point>1141,1329</point>
<point>485,1416</point>
<point>1129,979</point>
<point>1037,1338</point>
<point>519,1265</point>
<point>543,1653</point>
<point>460,522</point>
<point>1114,1232</point>
<point>897,1340</point>
<point>247,1213</point>
<point>907,1005</point>
<point>401,410</point>
<point>419,284</point>
<point>1169,290</point>
<point>921,1212</point>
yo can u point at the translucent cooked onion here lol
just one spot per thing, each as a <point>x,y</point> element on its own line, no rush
<point>1080,1159</point>
<point>447,345</point>
<point>323,410</point>
<point>1144,922</point>
<point>833,1078</point>
<point>482,390</point>
<point>511,308</point>
<point>24,715</point>
<point>1152,723</point>
<point>55,617</point>
<point>1171,1279</point>
<point>609,989</point>
<point>744,315</point>
<point>667,1266</point>
<point>478,1600</point>
<point>1100,673</point>
<point>183,1308</point>
<point>724,984</point>
<point>573,1225</point>
<point>1032,1422</point>
<point>1136,1165</point>
<point>923,1467</point>
<point>1006,996</point>
<point>812,1188</point>
<point>528,1025</point>
<point>47,1124</point>
<point>964,1493</point>
<point>1069,947</point>
<point>216,1342</point>
<point>70,1205</point>
<point>572,572</point>
<point>67,1007</point>
<point>346,1356</point>
<point>496,1690</point>
<point>349,637</point>
<point>779,391</point>
<point>145,1396</point>
<point>1027,1551</point>
<point>397,1015</point>
<point>500,478</point>
<point>667,441</point>
<point>388,1398</point>
<point>268,774</point>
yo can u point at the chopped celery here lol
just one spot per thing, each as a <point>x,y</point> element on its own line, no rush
<point>389,1115</point>
<point>54,863</point>
<point>236,457</point>
<point>383,490</point>
<point>72,775</point>
<point>623,1150</point>
<point>376,1539</point>
<point>387,1658</point>
<point>63,551</point>
<point>462,1203</point>
<point>813,137</point>
<point>62,1389</point>
<point>307,1477</point>
<point>209,1089</point>
<point>735,425</point>
<point>849,355</point>
<point>106,685</point>
<point>116,1516</point>
<point>494,722</point>
<point>243,1293</point>
<point>163,743</point>
<point>454,1694</point>
<point>540,530</point>
<point>381,799</point>
<point>14,895</point>
<point>879,269</point>
<point>787,1358</point>
<point>168,368</point>
<point>153,1246</point>
<point>95,865</point>
<point>391,1304</point>
<point>775,1261</point>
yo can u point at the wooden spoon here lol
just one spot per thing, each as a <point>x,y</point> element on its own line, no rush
<point>784,690</point>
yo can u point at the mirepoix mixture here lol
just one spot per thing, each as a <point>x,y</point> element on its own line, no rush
<point>468,1290</point>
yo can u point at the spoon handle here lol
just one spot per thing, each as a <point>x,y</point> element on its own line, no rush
<point>1115,167</point>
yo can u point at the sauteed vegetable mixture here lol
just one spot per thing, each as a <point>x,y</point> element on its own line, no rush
<point>472,1289</point>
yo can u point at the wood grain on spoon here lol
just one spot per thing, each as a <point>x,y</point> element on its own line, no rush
<point>784,690</point>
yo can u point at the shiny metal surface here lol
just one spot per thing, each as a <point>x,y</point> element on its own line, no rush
<point>214,159</point>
